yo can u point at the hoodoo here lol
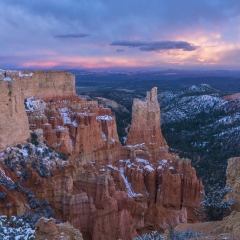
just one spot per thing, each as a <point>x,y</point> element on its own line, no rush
<point>105,190</point>
<point>145,127</point>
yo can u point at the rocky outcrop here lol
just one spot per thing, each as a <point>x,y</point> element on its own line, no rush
<point>180,187</point>
<point>106,190</point>
<point>83,129</point>
<point>14,127</point>
<point>170,184</point>
<point>48,229</point>
<point>47,85</point>
<point>18,85</point>
<point>145,126</point>
<point>233,180</point>
<point>13,204</point>
<point>228,228</point>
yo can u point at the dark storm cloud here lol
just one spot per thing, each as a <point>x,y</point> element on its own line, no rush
<point>81,35</point>
<point>156,46</point>
<point>119,50</point>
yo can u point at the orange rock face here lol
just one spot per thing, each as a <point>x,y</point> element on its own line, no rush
<point>44,84</point>
<point>83,129</point>
<point>18,85</point>
<point>179,179</point>
<point>107,191</point>
<point>13,119</point>
<point>47,229</point>
<point>145,127</point>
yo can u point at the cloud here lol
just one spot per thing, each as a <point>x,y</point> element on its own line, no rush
<point>81,35</point>
<point>156,46</point>
<point>39,24</point>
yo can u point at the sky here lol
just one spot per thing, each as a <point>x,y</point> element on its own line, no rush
<point>120,34</point>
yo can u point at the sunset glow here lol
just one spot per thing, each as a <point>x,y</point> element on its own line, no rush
<point>120,34</point>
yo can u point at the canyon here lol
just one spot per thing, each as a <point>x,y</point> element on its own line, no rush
<point>102,188</point>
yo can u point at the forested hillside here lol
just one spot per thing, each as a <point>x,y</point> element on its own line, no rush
<point>200,123</point>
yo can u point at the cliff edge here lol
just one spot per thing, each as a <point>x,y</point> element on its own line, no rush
<point>16,86</point>
<point>76,162</point>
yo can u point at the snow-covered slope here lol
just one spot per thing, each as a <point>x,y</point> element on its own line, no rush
<point>201,123</point>
<point>211,108</point>
<point>187,103</point>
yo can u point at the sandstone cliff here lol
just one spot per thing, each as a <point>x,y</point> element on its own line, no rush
<point>18,85</point>
<point>104,189</point>
<point>13,119</point>
<point>44,84</point>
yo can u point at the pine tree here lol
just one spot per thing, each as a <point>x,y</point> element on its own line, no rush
<point>215,207</point>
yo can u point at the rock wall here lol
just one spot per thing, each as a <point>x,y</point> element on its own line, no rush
<point>44,84</point>
<point>14,127</point>
<point>18,85</point>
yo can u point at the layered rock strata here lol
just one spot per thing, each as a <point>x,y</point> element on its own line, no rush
<point>145,127</point>
<point>83,129</point>
<point>18,85</point>
<point>44,84</point>
<point>14,127</point>
<point>106,190</point>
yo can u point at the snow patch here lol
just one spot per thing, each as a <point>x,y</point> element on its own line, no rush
<point>8,150</point>
<point>136,145</point>
<point>71,142</point>
<point>24,152</point>
<point>34,104</point>
<point>105,117</point>
<point>163,162</point>
<point>24,74</point>
<point>4,175</point>
<point>141,160</point>
<point>104,136</point>
<point>65,115</point>
<point>149,168</point>
<point>128,185</point>
<point>8,79</point>
<point>125,161</point>
<point>60,128</point>
<point>111,166</point>
<point>19,230</point>
<point>74,123</point>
